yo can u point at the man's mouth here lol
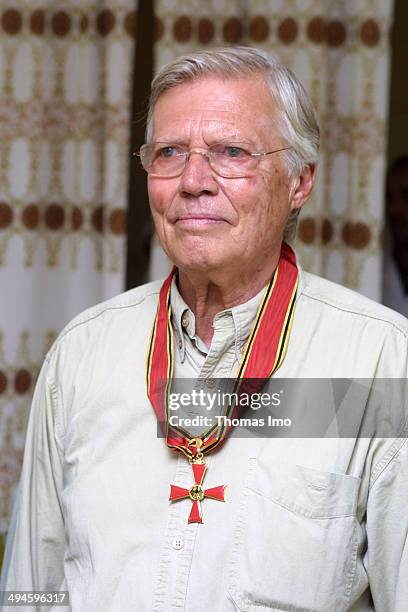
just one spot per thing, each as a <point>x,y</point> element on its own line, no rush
<point>199,219</point>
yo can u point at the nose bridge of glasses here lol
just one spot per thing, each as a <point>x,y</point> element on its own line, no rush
<point>204,152</point>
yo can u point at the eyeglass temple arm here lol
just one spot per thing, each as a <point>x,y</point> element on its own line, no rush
<point>270,152</point>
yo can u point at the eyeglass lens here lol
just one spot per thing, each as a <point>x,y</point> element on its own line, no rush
<point>228,160</point>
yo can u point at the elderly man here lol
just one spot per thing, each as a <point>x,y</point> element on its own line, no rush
<point>317,524</point>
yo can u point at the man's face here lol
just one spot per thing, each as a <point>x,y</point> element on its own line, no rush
<point>204,221</point>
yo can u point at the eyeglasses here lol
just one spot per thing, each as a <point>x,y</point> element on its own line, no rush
<point>229,160</point>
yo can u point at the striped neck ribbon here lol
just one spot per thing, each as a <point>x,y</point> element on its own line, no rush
<point>264,353</point>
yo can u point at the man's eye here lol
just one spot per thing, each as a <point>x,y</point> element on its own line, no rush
<point>167,152</point>
<point>234,152</point>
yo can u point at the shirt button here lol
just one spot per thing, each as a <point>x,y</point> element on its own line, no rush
<point>177,543</point>
<point>185,319</point>
<point>210,382</point>
<point>180,344</point>
<point>243,349</point>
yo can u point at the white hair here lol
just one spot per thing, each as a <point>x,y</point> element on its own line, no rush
<point>298,124</point>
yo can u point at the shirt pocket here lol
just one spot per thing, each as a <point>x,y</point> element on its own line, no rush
<point>295,543</point>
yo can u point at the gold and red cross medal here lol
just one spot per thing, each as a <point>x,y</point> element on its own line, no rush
<point>264,353</point>
<point>196,493</point>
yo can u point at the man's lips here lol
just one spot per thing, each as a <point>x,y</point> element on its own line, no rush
<point>198,219</point>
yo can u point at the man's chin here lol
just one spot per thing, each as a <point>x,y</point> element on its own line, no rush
<point>198,261</point>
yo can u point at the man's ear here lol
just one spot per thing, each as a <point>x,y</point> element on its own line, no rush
<point>302,186</point>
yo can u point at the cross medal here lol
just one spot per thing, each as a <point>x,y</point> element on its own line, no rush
<point>196,493</point>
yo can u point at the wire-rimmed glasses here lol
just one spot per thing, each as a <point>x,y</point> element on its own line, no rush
<point>229,160</point>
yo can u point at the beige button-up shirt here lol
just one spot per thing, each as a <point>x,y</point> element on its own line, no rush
<point>310,524</point>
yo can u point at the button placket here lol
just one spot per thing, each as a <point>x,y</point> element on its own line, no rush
<point>197,410</point>
<point>223,345</point>
<point>183,541</point>
<point>177,551</point>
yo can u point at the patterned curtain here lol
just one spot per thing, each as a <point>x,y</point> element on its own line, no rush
<point>340,51</point>
<point>65,80</point>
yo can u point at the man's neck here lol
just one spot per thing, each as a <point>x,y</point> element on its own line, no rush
<point>208,294</point>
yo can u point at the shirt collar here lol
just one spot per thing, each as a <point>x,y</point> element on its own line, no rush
<point>181,314</point>
<point>184,321</point>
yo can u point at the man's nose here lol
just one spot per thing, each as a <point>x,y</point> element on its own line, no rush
<point>198,176</point>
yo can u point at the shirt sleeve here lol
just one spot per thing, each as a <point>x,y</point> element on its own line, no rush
<point>35,544</point>
<point>387,534</point>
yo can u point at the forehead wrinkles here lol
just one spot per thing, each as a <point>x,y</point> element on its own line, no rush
<point>205,129</point>
<point>210,125</point>
<point>210,105</point>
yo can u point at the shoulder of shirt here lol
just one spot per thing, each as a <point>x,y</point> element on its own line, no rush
<point>134,299</point>
<point>332,295</point>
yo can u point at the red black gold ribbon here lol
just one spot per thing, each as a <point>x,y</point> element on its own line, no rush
<point>265,351</point>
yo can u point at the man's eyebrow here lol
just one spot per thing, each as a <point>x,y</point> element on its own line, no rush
<point>234,139</point>
<point>208,139</point>
<point>175,141</point>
